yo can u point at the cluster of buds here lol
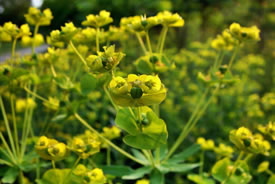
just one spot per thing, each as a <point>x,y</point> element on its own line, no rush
<point>111,132</point>
<point>57,37</point>
<point>51,149</point>
<point>206,144</point>
<point>269,129</point>
<point>22,104</point>
<point>10,31</point>
<point>98,21</point>
<point>136,90</point>
<point>36,17</point>
<point>244,140</point>
<point>224,150</point>
<point>153,64</point>
<point>104,61</point>
<point>85,145</point>
<point>94,176</point>
<point>236,34</point>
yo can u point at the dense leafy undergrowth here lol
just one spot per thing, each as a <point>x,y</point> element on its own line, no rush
<point>99,105</point>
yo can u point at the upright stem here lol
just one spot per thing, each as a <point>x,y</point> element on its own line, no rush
<point>78,54</point>
<point>108,155</point>
<point>201,162</point>
<point>141,43</point>
<point>139,118</point>
<point>148,42</point>
<point>7,125</point>
<point>14,124</point>
<point>69,174</point>
<point>53,164</point>
<point>34,34</point>
<point>110,98</point>
<point>188,124</point>
<point>53,70</point>
<point>233,56</point>
<point>165,30</point>
<point>108,141</point>
<point>97,39</point>
<point>13,51</point>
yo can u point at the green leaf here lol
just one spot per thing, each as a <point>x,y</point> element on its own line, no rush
<point>157,177</point>
<point>140,141</point>
<point>144,67</point>
<point>117,170</point>
<point>221,172</point>
<point>10,175</point>
<point>140,156</point>
<point>126,121</point>
<point>18,72</point>
<point>64,82</point>
<point>138,173</point>
<point>87,83</point>
<point>166,167</point>
<point>59,176</point>
<point>182,156</point>
<point>271,180</point>
<point>204,179</point>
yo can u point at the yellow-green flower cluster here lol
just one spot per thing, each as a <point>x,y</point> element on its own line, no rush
<point>97,21</point>
<point>244,33</point>
<point>51,149</point>
<point>94,176</point>
<point>143,181</point>
<point>36,17</point>
<point>37,40</point>
<point>269,129</point>
<point>224,150</point>
<point>85,145</point>
<point>104,61</point>
<point>10,31</point>
<point>206,144</point>
<point>244,140</point>
<point>22,104</point>
<point>65,35</point>
<point>111,132</point>
<point>52,103</point>
<point>224,41</point>
<point>268,101</point>
<point>136,90</point>
<point>143,23</point>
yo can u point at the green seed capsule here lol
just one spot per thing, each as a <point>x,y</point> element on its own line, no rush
<point>247,142</point>
<point>144,23</point>
<point>223,69</point>
<point>136,92</point>
<point>154,59</point>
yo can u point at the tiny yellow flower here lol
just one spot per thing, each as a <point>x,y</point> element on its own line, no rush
<point>206,144</point>
<point>95,176</point>
<point>57,151</point>
<point>98,21</point>
<point>143,181</point>
<point>169,19</point>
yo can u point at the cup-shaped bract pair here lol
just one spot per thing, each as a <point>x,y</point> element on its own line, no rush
<point>13,32</point>
<point>85,145</point>
<point>94,176</point>
<point>169,19</point>
<point>51,149</point>
<point>136,90</point>
<point>206,144</point>
<point>104,61</point>
<point>269,129</point>
<point>36,17</point>
<point>245,33</point>
<point>97,21</point>
<point>37,40</point>
<point>247,142</point>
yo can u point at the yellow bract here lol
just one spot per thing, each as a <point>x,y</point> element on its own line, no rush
<point>98,21</point>
<point>206,144</point>
<point>169,19</point>
<point>224,150</point>
<point>137,90</point>
<point>22,104</point>
<point>111,132</point>
<point>143,181</point>
<point>95,176</point>
<point>36,17</point>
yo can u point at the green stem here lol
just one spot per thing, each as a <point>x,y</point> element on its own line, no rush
<point>21,177</point>
<point>108,155</point>
<point>74,166</point>
<point>233,56</point>
<point>141,43</point>
<point>14,124</point>
<point>108,141</point>
<point>53,164</point>
<point>110,98</point>
<point>139,118</point>
<point>165,30</point>
<point>7,125</point>
<point>201,162</point>
<point>53,70</point>
<point>148,42</point>
<point>160,38</point>
<point>97,39</point>
<point>34,34</point>
<point>268,171</point>
<point>78,54</point>
<point>13,51</point>
<point>188,124</point>
<point>37,168</point>
<point>10,155</point>
<point>220,59</point>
